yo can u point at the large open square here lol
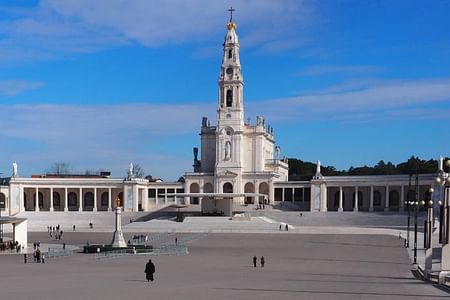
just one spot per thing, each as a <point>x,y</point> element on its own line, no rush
<point>219,266</point>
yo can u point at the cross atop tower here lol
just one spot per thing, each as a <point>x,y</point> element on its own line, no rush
<point>231,9</point>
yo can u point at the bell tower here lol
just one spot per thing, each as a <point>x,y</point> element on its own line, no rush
<point>230,110</point>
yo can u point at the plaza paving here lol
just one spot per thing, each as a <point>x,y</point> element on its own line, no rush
<point>219,266</point>
<point>322,256</point>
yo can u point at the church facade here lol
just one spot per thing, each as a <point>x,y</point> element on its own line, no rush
<point>236,157</point>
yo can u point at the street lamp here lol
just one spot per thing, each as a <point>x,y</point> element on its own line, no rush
<point>443,180</point>
<point>408,206</point>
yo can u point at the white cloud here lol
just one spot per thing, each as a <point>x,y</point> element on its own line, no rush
<point>325,69</point>
<point>108,136</point>
<point>11,88</point>
<point>377,99</point>
<point>65,26</point>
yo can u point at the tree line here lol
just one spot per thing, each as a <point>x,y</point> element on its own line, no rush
<point>304,170</point>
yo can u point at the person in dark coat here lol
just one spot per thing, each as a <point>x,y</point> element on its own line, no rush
<point>262,261</point>
<point>254,261</point>
<point>149,270</point>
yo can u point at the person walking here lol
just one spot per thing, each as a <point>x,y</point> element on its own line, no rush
<point>149,270</point>
<point>262,261</point>
<point>254,261</point>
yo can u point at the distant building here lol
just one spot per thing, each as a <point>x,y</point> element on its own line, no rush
<point>236,157</point>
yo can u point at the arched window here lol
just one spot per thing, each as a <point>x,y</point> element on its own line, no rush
<point>228,188</point>
<point>56,200</point>
<point>89,199</point>
<point>393,198</point>
<point>230,54</point>
<point>72,199</point>
<point>194,188</point>
<point>105,199</point>
<point>229,98</point>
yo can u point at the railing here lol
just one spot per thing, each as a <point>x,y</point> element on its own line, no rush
<point>174,250</point>
<point>59,252</point>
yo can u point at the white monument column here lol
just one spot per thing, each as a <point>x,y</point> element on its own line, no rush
<point>36,199</point>
<point>402,198</point>
<point>95,199</point>
<point>355,208</point>
<point>66,201</point>
<point>341,200</point>
<point>109,199</point>
<point>282,195</point>
<point>386,207</point>
<point>371,198</point>
<point>51,199</point>
<point>293,194</point>
<point>118,241</point>
<point>80,208</point>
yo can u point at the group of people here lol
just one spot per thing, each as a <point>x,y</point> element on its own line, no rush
<point>11,245</point>
<point>55,231</point>
<point>286,227</point>
<point>255,261</point>
<point>138,239</point>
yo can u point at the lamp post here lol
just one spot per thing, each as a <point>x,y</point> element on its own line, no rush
<point>416,209</point>
<point>428,232</point>
<point>408,206</point>
<point>443,180</point>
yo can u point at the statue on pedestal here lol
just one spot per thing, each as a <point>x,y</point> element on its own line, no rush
<point>14,170</point>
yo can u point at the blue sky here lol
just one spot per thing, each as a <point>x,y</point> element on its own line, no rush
<point>98,84</point>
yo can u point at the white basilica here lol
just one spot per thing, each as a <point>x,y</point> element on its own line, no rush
<point>236,158</point>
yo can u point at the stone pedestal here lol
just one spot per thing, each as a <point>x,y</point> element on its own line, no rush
<point>118,241</point>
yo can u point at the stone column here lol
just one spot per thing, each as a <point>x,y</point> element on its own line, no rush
<point>36,199</point>
<point>371,198</point>
<point>109,199</point>
<point>66,201</point>
<point>95,199</point>
<point>135,198</point>
<point>293,194</point>
<point>165,195</point>
<point>282,194</point>
<point>402,198</point>
<point>51,199</point>
<point>144,196</point>
<point>323,197</point>
<point>341,200</point>
<point>355,207</point>
<point>80,207</point>
<point>386,207</point>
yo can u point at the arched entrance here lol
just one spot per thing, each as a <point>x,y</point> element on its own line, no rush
<point>56,201</point>
<point>104,201</point>
<point>394,200</point>
<point>72,201</point>
<point>194,188</point>
<point>264,189</point>
<point>88,201</point>
<point>377,200</point>
<point>249,188</point>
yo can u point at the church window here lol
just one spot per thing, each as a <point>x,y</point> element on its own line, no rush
<point>230,54</point>
<point>229,98</point>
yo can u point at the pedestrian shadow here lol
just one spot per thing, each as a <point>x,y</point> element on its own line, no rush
<point>136,280</point>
